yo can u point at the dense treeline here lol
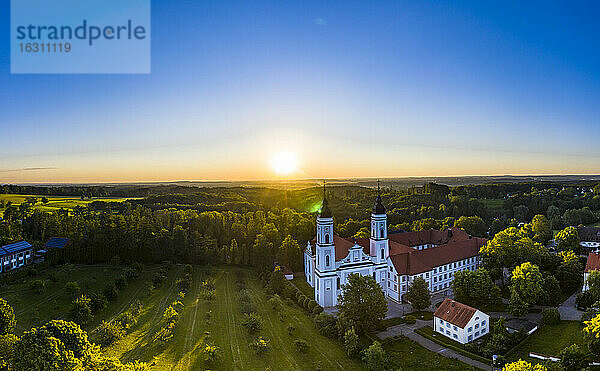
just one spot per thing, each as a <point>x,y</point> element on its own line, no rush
<point>255,226</point>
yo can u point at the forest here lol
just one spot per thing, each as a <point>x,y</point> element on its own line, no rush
<point>256,226</point>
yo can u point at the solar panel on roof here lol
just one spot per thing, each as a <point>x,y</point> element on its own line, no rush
<point>16,247</point>
<point>57,242</point>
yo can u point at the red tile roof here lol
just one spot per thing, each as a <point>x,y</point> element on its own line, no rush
<point>454,312</point>
<point>430,236</point>
<point>419,261</point>
<point>593,263</point>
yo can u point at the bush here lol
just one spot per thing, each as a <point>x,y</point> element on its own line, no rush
<point>159,277</point>
<point>252,322</point>
<point>584,300</point>
<point>301,300</point>
<point>410,319</point>
<point>351,343</point>
<point>72,289</point>
<point>53,277</point>
<point>37,286</point>
<point>291,329</point>
<point>375,357</point>
<point>326,325</point>
<point>97,302</point>
<point>121,282</point>
<point>311,305</point>
<point>110,291</point>
<point>81,312</point>
<point>211,353</point>
<point>131,274</point>
<point>318,309</point>
<point>301,346</point>
<point>260,346</point>
<point>110,332</point>
<point>276,303</point>
<point>550,316</point>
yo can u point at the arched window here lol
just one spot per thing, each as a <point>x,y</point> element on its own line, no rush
<point>381,231</point>
<point>327,260</point>
<point>326,239</point>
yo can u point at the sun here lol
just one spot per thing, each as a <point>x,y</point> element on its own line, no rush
<point>284,163</point>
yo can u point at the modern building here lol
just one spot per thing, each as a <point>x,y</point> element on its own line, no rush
<point>593,264</point>
<point>460,322</point>
<point>56,243</point>
<point>15,255</point>
<point>393,260</point>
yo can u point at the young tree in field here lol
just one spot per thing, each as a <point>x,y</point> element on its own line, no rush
<point>475,288</point>
<point>7,318</point>
<point>521,365</point>
<point>418,294</point>
<point>81,312</point>
<point>362,302</point>
<point>568,239</point>
<point>527,282</point>
<point>375,357</point>
<point>473,225</point>
<point>542,229</point>
<point>351,343</point>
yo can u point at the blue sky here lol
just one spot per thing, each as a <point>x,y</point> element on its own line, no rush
<point>353,89</point>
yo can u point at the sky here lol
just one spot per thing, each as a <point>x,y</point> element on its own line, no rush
<point>350,88</point>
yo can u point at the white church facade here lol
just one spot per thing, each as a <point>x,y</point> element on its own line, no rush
<point>393,261</point>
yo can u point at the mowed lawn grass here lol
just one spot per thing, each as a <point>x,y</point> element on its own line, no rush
<point>56,202</point>
<point>550,340</point>
<point>494,204</point>
<point>405,354</point>
<point>33,309</point>
<point>224,327</point>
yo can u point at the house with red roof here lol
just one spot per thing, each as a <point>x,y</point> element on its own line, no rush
<point>460,322</point>
<point>393,260</point>
<point>592,264</point>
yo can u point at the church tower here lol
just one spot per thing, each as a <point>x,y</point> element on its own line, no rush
<point>325,248</point>
<point>379,247</point>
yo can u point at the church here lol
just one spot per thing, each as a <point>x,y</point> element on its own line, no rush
<point>393,260</point>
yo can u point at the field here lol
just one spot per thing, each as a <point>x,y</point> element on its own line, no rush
<point>184,350</point>
<point>55,202</point>
<point>550,340</point>
<point>202,321</point>
<point>494,204</point>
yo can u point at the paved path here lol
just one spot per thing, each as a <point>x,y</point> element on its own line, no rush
<point>568,311</point>
<point>409,332</point>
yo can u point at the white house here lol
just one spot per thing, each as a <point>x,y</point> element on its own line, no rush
<point>15,255</point>
<point>393,260</point>
<point>460,322</point>
<point>593,264</point>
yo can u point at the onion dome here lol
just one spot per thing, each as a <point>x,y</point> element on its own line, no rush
<point>324,211</point>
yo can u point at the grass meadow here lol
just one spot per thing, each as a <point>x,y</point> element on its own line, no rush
<point>202,321</point>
